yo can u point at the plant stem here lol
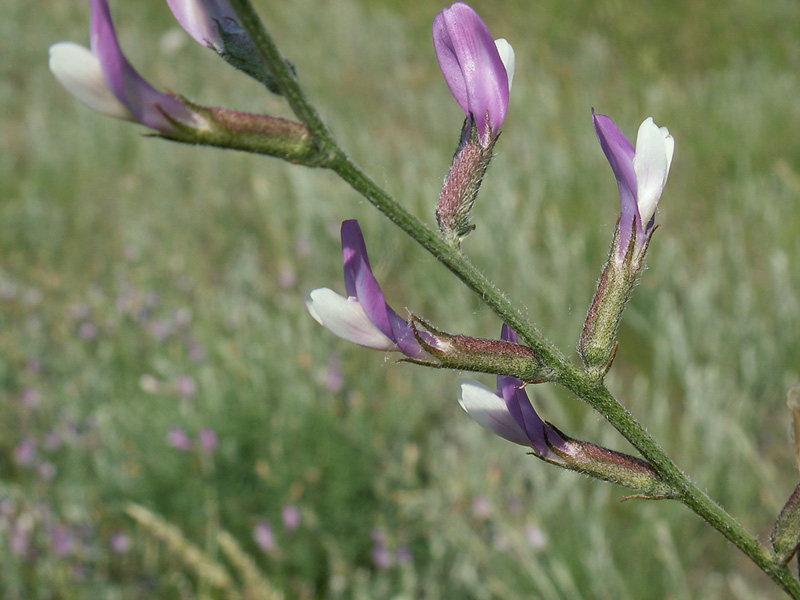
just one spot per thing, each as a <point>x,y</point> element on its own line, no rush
<point>567,374</point>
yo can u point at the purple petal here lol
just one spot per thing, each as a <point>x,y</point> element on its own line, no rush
<point>361,284</point>
<point>202,19</point>
<point>520,407</point>
<point>471,66</point>
<point>620,151</point>
<point>146,103</point>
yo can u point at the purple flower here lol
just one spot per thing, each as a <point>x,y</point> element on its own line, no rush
<point>208,439</point>
<point>29,397</point>
<point>61,540</point>
<point>262,534</point>
<point>20,538</point>
<point>25,452</point>
<point>403,555</point>
<point>104,80</point>
<point>363,317</point>
<point>202,19</point>
<point>477,69</point>
<point>641,174</point>
<point>120,542</point>
<point>179,439</point>
<point>508,413</point>
<point>291,517</point>
<point>186,386</point>
<point>333,379</point>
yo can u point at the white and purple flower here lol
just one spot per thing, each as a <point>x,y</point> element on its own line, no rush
<point>641,174</point>
<point>363,317</point>
<point>203,20</point>
<point>478,70</point>
<point>509,413</point>
<point>103,79</point>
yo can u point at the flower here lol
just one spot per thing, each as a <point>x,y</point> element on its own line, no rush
<point>263,536</point>
<point>291,517</point>
<point>104,80</point>
<point>508,413</point>
<point>641,174</point>
<point>477,69</point>
<point>363,317</point>
<point>203,19</point>
<point>179,439</point>
<point>208,439</point>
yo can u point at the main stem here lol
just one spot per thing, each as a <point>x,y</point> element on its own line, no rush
<point>567,374</point>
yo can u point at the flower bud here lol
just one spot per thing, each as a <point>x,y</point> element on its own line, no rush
<point>504,357</point>
<point>477,69</point>
<point>785,535</point>
<point>609,465</point>
<point>462,184</point>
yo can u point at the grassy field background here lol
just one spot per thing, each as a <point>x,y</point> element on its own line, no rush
<point>152,293</point>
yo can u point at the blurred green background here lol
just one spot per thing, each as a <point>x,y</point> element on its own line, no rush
<point>155,350</point>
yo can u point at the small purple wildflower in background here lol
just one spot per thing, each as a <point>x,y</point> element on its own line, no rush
<point>287,278</point>
<point>161,329</point>
<point>46,471</point>
<point>20,539</point>
<point>403,555</point>
<point>87,331</point>
<point>119,542</point>
<point>182,318</point>
<point>61,540</point>
<point>291,517</point>
<point>29,397</point>
<point>332,379</point>
<point>381,556</point>
<point>7,510</point>
<point>53,440</point>
<point>178,439</point>
<point>302,247</point>
<point>196,352</point>
<point>34,365</point>
<point>186,386</point>
<point>80,311</point>
<point>208,439</point>
<point>25,452</point>
<point>262,534</point>
<point>481,509</point>
<point>536,537</point>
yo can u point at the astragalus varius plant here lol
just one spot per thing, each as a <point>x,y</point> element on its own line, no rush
<point>479,71</point>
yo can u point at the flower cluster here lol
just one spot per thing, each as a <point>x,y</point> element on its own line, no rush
<point>479,71</point>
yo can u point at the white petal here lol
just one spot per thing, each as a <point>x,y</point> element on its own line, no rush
<point>490,411</point>
<point>345,318</point>
<point>508,58</point>
<point>654,149</point>
<point>78,70</point>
